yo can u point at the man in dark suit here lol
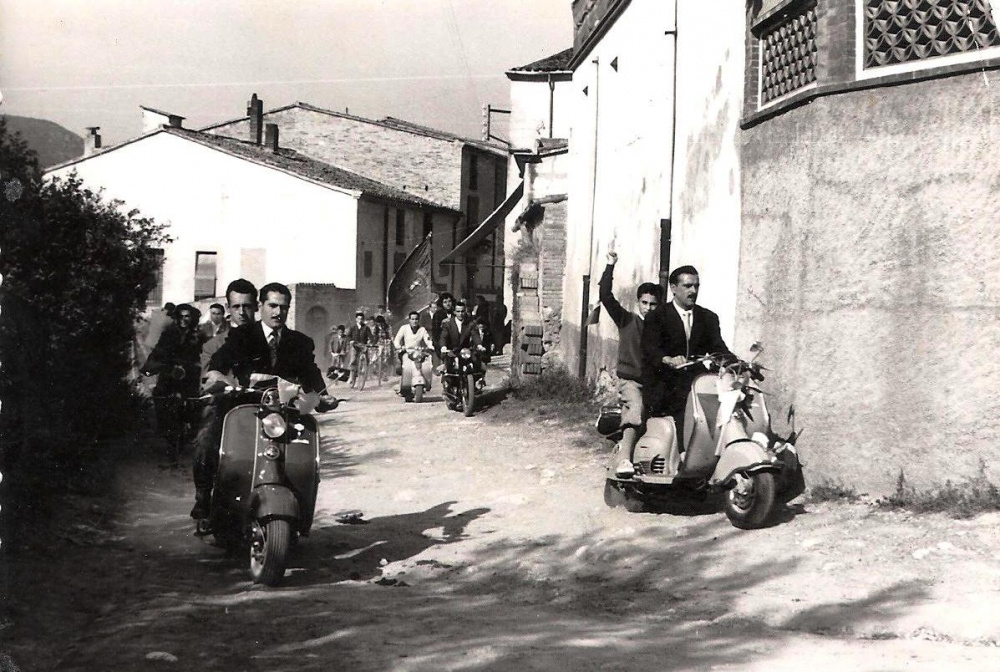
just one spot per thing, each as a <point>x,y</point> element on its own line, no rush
<point>265,347</point>
<point>457,332</point>
<point>674,333</point>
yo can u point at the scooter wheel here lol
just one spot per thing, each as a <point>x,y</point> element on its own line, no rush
<point>418,394</point>
<point>749,503</point>
<point>269,546</point>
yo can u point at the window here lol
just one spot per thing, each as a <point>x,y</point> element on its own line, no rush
<point>900,32</point>
<point>398,260</point>
<point>204,275</point>
<point>428,223</point>
<point>473,173</point>
<point>155,297</point>
<point>788,54</point>
<point>471,213</point>
<point>400,227</point>
<point>368,263</point>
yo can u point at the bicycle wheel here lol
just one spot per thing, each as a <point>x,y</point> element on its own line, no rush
<point>380,365</point>
<point>362,372</point>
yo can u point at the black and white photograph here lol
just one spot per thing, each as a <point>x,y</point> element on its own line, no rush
<point>475,335</point>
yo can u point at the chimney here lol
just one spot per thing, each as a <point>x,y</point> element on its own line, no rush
<point>255,110</point>
<point>271,137</point>
<point>92,141</point>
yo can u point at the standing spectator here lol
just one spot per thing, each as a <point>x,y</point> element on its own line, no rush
<point>216,323</point>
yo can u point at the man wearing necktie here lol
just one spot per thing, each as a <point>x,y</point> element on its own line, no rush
<point>674,333</point>
<point>265,347</point>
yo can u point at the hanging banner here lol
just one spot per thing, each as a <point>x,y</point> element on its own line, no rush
<point>412,287</point>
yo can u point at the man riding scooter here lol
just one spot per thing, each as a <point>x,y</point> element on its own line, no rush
<point>411,341</point>
<point>674,333</point>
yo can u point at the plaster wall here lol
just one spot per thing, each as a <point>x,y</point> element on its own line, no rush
<point>529,108</point>
<point>870,269</point>
<point>219,203</point>
<point>649,169</point>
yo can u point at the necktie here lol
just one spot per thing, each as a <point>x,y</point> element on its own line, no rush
<point>687,330</point>
<point>272,343</point>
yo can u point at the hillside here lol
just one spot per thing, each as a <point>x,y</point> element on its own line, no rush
<point>53,143</point>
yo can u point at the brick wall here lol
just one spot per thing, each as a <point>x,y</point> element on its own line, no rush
<point>870,269</point>
<point>552,265</point>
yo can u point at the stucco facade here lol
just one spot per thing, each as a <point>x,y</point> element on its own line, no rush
<point>655,169</point>
<point>870,264</point>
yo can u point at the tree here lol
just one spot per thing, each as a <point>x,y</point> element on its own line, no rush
<point>76,273</point>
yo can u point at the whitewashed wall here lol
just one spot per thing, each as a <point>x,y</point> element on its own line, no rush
<point>216,202</point>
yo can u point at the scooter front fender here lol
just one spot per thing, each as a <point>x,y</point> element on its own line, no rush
<point>274,501</point>
<point>742,455</point>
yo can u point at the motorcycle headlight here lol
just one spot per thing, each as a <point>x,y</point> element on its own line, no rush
<point>274,425</point>
<point>466,353</point>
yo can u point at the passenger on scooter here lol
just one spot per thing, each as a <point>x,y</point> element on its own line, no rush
<point>267,347</point>
<point>241,296</point>
<point>444,313</point>
<point>676,332</point>
<point>630,327</point>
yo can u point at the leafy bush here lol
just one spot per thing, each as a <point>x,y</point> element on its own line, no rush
<point>76,273</point>
<point>555,385</point>
<point>830,492</point>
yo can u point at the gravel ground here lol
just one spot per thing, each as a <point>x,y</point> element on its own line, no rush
<point>484,543</point>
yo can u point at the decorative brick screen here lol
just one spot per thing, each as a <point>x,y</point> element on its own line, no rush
<point>788,53</point>
<point>899,31</point>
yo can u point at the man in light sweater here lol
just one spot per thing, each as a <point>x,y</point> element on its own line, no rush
<point>630,325</point>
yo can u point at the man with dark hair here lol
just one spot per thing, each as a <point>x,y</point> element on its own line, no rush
<point>266,347</point>
<point>630,327</point>
<point>457,332</point>
<point>216,324</point>
<point>446,310</point>
<point>359,337</point>
<point>676,332</point>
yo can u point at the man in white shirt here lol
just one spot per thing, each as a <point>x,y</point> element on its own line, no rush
<point>410,337</point>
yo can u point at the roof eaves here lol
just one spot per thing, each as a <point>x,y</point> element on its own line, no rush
<point>103,151</point>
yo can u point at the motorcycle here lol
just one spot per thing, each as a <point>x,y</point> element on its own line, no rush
<point>416,375</point>
<point>728,448</point>
<point>463,378</point>
<point>268,477</point>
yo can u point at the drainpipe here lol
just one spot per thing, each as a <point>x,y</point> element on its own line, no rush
<point>552,103</point>
<point>585,303</point>
<point>665,273</point>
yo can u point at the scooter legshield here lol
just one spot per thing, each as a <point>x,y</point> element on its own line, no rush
<point>742,455</point>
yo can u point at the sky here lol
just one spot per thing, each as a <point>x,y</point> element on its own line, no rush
<point>86,63</point>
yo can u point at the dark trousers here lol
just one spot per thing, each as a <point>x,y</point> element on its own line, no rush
<point>206,446</point>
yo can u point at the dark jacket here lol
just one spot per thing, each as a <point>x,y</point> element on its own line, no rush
<point>439,317</point>
<point>175,348</point>
<point>246,351</point>
<point>630,328</point>
<point>453,339</point>
<point>665,389</point>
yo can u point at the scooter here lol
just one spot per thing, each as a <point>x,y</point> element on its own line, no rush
<point>463,378</point>
<point>416,375</point>
<point>268,477</point>
<point>728,448</point>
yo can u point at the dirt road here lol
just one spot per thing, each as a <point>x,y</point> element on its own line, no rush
<point>486,546</point>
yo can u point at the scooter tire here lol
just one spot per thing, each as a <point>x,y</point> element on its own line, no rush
<point>750,512</point>
<point>469,402</point>
<point>269,555</point>
<point>617,497</point>
<point>418,394</point>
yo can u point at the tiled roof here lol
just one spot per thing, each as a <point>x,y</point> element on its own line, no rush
<point>291,161</point>
<point>553,63</point>
<point>165,114</point>
<point>387,122</point>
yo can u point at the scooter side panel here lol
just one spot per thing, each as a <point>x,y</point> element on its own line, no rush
<point>302,467</point>
<point>744,455</point>
<point>234,479</point>
<point>659,442</point>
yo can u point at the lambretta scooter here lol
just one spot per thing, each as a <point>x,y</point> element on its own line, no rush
<point>728,447</point>
<point>268,477</point>
<point>417,374</point>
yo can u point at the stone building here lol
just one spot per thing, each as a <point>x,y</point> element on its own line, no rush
<point>870,254</point>
<point>454,173</point>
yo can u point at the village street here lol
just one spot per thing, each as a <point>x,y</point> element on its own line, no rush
<point>484,544</point>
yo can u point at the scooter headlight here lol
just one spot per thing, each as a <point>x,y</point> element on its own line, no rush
<point>274,425</point>
<point>466,353</point>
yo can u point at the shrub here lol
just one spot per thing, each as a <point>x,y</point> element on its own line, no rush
<point>964,500</point>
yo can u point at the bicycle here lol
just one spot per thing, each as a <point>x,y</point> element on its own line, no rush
<point>360,365</point>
